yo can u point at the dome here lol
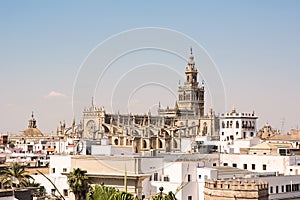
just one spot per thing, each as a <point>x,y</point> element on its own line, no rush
<point>32,132</point>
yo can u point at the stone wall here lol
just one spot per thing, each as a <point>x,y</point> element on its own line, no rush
<point>235,189</point>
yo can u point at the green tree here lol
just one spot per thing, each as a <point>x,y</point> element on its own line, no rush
<point>78,182</point>
<point>101,192</point>
<point>15,176</point>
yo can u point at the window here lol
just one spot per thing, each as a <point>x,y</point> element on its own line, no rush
<point>199,176</point>
<point>277,189</point>
<point>282,188</point>
<point>251,134</point>
<point>189,197</point>
<point>264,167</point>
<point>234,165</point>
<point>189,177</point>
<point>65,192</point>
<point>166,178</point>
<point>53,170</point>
<point>253,166</point>
<point>291,170</point>
<point>237,133</point>
<point>53,192</point>
<point>64,169</point>
<point>155,177</point>
<point>245,166</point>
<point>214,164</point>
<point>287,188</point>
<point>295,187</point>
<point>225,164</point>
<point>271,189</point>
<point>222,133</point>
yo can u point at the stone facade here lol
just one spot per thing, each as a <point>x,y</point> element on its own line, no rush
<point>235,189</point>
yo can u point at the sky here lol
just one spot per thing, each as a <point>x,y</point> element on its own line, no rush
<point>45,47</point>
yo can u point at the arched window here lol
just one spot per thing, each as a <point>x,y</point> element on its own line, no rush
<point>227,125</point>
<point>160,144</point>
<point>188,97</point>
<point>116,141</point>
<point>144,144</point>
<point>175,145</point>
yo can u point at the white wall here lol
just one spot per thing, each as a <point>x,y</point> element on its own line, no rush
<point>273,163</point>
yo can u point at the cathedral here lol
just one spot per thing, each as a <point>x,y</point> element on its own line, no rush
<point>166,131</point>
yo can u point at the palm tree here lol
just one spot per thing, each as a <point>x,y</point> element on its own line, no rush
<point>15,176</point>
<point>101,192</point>
<point>78,182</point>
<point>121,195</point>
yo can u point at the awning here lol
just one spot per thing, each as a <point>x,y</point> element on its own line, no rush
<point>50,149</point>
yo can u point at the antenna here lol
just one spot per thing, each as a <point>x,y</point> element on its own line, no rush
<point>282,122</point>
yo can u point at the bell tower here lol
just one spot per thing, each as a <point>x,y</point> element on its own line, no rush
<point>191,71</point>
<point>190,95</point>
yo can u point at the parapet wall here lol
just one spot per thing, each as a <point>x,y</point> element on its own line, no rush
<point>235,189</point>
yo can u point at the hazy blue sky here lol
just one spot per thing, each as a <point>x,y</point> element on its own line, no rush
<point>255,44</point>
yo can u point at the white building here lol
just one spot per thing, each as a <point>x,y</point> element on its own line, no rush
<point>264,158</point>
<point>180,175</point>
<point>236,126</point>
<point>58,164</point>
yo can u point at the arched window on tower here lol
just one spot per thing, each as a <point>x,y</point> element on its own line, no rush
<point>160,144</point>
<point>175,145</point>
<point>144,144</point>
<point>188,97</point>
